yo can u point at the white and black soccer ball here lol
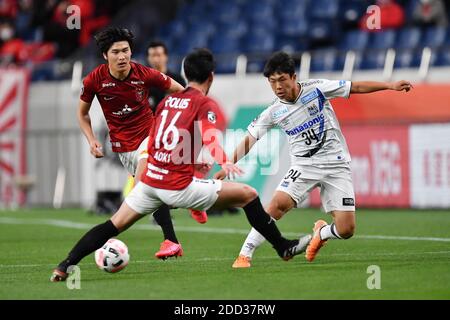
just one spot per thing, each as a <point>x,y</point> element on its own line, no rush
<point>113,256</point>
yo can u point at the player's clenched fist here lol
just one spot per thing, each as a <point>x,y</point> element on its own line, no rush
<point>96,149</point>
<point>402,85</point>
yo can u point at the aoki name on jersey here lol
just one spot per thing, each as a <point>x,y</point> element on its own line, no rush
<point>306,125</point>
<point>162,156</point>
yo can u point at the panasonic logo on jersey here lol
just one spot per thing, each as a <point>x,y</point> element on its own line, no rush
<point>305,125</point>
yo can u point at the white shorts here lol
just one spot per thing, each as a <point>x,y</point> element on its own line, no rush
<point>130,159</point>
<point>200,194</point>
<point>336,186</point>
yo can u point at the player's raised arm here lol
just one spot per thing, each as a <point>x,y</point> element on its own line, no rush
<point>210,140</point>
<point>241,151</point>
<point>244,147</point>
<point>84,120</point>
<point>372,86</point>
<point>175,86</point>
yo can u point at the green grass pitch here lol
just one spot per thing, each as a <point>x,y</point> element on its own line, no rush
<point>411,248</point>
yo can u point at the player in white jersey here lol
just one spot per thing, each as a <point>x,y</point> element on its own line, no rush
<point>318,151</point>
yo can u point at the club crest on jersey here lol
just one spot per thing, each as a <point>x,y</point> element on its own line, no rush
<point>313,109</point>
<point>212,117</point>
<point>139,94</point>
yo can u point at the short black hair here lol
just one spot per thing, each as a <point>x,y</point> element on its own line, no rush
<point>279,62</point>
<point>198,65</point>
<point>155,44</point>
<point>107,37</point>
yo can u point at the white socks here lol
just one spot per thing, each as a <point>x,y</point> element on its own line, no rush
<point>329,232</point>
<point>253,241</point>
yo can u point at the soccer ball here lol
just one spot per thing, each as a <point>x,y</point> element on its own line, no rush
<point>113,256</point>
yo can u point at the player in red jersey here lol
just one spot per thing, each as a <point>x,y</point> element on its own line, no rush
<point>184,122</point>
<point>122,89</point>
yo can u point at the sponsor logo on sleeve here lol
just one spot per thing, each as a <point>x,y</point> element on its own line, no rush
<point>348,201</point>
<point>309,97</point>
<point>278,113</point>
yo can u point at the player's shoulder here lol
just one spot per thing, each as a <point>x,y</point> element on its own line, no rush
<point>274,105</point>
<point>96,76</point>
<point>140,69</point>
<point>312,83</point>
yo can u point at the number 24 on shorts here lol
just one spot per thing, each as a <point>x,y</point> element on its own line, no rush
<point>293,175</point>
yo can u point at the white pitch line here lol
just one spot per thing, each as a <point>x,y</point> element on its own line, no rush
<point>200,229</point>
<point>154,261</point>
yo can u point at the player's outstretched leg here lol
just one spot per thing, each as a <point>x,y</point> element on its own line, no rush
<point>199,216</point>
<point>95,238</point>
<point>241,195</point>
<point>254,240</point>
<point>343,227</point>
<point>170,247</point>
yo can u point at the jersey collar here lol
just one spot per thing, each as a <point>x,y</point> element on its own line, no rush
<point>126,78</point>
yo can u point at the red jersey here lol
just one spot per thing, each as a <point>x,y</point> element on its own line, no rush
<point>184,121</point>
<point>125,102</point>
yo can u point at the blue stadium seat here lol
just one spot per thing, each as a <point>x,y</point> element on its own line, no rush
<point>340,60</point>
<point>260,11</point>
<point>226,63</point>
<point>351,11</point>
<point>417,58</point>
<point>434,37</point>
<point>373,59</point>
<point>443,57</point>
<point>186,44</point>
<point>223,43</point>
<point>292,11</point>
<point>408,38</point>
<point>323,60</point>
<point>293,27</point>
<point>291,44</point>
<point>233,29</point>
<point>224,11</point>
<point>354,40</point>
<point>259,42</point>
<point>255,64</point>
<point>404,58</point>
<point>382,40</point>
<point>324,9</point>
<point>174,28</point>
<point>447,38</point>
<point>321,30</point>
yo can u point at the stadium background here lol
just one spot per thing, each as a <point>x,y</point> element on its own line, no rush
<point>399,142</point>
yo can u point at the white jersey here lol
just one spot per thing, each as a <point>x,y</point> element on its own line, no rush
<point>310,123</point>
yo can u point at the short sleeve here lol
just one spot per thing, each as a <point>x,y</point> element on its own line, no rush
<point>207,112</point>
<point>157,79</point>
<point>335,88</point>
<point>87,93</point>
<point>261,124</point>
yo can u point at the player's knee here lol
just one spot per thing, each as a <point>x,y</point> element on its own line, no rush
<point>346,231</point>
<point>249,193</point>
<point>275,212</point>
